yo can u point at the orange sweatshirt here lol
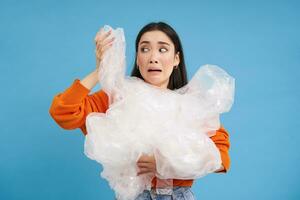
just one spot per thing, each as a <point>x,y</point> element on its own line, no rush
<point>70,108</point>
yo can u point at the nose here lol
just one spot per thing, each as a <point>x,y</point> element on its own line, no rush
<point>153,58</point>
<point>153,61</point>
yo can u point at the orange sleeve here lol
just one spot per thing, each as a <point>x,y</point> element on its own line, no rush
<point>70,108</point>
<point>221,139</point>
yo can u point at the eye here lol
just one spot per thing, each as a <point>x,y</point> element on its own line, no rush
<point>162,50</point>
<point>144,49</point>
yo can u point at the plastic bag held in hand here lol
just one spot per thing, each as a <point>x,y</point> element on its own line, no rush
<point>112,67</point>
<point>174,125</point>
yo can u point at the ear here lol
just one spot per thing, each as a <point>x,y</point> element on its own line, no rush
<point>177,59</point>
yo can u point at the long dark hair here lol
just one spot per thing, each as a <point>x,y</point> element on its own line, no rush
<point>178,77</point>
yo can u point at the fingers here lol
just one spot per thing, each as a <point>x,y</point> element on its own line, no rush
<point>146,168</point>
<point>100,52</point>
<point>148,173</point>
<point>103,39</point>
<point>148,165</point>
<point>146,159</point>
<point>101,35</point>
<point>145,171</point>
<point>106,42</point>
<point>103,42</point>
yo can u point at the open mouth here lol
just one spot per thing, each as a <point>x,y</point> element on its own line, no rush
<point>154,70</point>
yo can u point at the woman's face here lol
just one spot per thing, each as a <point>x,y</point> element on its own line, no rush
<point>156,58</point>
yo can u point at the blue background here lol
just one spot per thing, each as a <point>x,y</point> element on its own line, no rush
<point>45,45</point>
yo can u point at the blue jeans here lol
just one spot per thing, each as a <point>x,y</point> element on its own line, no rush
<point>179,193</point>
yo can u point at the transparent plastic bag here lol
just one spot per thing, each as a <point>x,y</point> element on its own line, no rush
<point>174,126</point>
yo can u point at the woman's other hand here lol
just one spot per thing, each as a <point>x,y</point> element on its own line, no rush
<point>146,165</point>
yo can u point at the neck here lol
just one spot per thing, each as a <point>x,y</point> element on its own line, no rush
<point>163,85</point>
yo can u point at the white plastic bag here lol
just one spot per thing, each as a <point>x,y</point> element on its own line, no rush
<point>174,126</point>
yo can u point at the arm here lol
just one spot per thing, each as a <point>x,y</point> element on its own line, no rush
<point>90,80</point>
<point>147,164</point>
<point>221,139</point>
<point>70,108</point>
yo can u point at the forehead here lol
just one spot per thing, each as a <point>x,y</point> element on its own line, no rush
<point>155,37</point>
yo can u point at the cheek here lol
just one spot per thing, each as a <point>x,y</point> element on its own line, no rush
<point>142,62</point>
<point>168,61</point>
<point>141,59</point>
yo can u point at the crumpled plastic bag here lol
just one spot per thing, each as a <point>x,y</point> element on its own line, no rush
<point>174,126</point>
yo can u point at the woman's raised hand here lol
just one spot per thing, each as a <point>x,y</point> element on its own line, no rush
<point>103,41</point>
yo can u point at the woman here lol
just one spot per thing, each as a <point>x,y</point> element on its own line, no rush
<point>159,61</point>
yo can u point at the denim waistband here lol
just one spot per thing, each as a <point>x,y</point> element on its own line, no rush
<point>169,191</point>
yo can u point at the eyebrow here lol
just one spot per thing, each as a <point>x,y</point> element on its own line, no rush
<point>159,42</point>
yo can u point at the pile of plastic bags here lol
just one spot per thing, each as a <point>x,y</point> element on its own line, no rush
<point>174,125</point>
